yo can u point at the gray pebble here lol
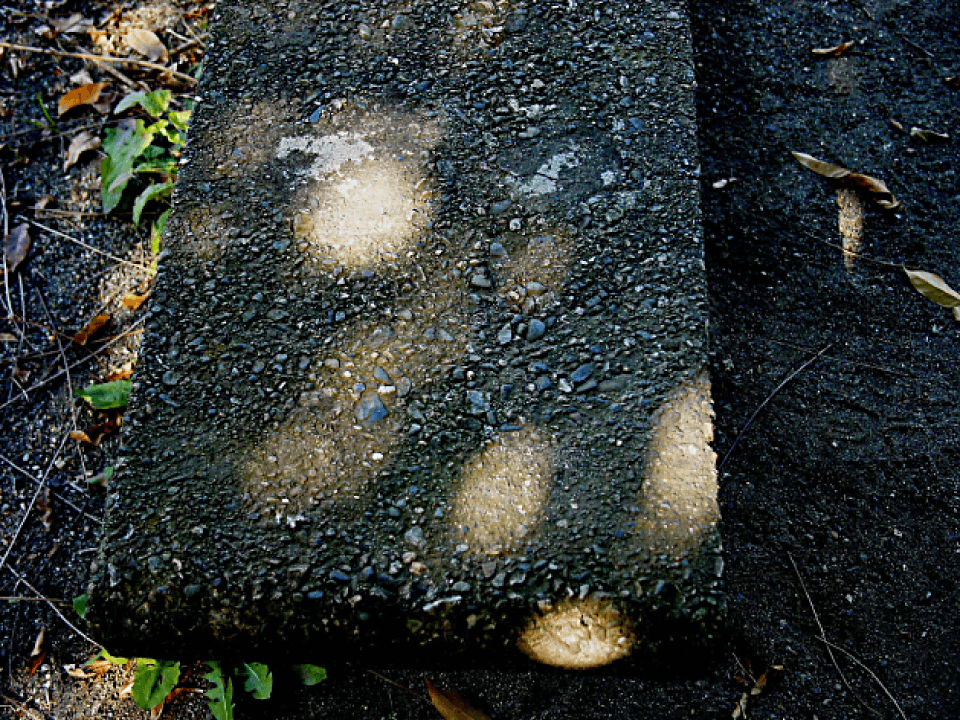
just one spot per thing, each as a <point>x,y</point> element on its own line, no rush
<point>370,409</point>
<point>582,373</point>
<point>536,330</point>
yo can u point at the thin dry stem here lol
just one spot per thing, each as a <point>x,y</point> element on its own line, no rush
<point>53,607</point>
<point>57,495</point>
<point>113,341</point>
<point>82,244</point>
<point>33,500</point>
<point>102,58</point>
<point>830,646</point>
<point>767,400</point>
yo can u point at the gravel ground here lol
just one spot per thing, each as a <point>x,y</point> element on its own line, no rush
<point>845,477</point>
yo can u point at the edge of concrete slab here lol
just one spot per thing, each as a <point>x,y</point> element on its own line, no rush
<point>173,577</point>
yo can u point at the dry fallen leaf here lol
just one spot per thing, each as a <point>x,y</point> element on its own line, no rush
<point>35,661</point>
<point>95,433</point>
<point>81,142</point>
<point>76,673</point>
<point>740,709</point>
<point>16,245</point>
<point>45,509</point>
<point>38,644</point>
<point>835,51</point>
<point>935,289</point>
<point>90,329</point>
<point>147,44</point>
<point>83,95</point>
<point>874,188</point>
<point>928,136</point>
<point>134,301</point>
<point>73,24</point>
<point>80,436</point>
<point>100,667</point>
<point>124,374</point>
<point>768,676</point>
<point>451,706</point>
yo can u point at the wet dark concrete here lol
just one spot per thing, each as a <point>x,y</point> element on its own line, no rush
<point>426,362</point>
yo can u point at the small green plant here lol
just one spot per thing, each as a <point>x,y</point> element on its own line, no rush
<point>153,680</point>
<point>221,694</point>
<point>146,150</point>
<point>108,395</point>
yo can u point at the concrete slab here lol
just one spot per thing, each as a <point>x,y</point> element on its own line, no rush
<point>425,363</point>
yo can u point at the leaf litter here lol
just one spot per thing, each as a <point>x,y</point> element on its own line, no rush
<point>147,44</point>
<point>91,329</point>
<point>87,94</point>
<point>875,189</point>
<point>81,143</point>
<point>935,289</point>
<point>452,706</point>
<point>16,246</point>
<point>835,51</point>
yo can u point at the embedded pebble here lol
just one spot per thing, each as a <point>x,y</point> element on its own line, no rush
<point>582,373</point>
<point>414,536</point>
<point>370,409</point>
<point>536,330</point>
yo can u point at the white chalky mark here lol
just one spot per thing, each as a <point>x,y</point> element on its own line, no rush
<point>545,180</point>
<point>332,152</point>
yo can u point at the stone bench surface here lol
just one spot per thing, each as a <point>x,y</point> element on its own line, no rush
<point>425,362</point>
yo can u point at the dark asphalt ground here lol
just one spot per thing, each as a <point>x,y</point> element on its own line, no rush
<point>848,471</point>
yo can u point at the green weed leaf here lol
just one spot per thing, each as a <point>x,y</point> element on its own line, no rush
<point>109,395</point>
<point>221,694</point>
<point>311,674</point>
<point>259,680</point>
<point>180,119</point>
<point>153,680</point>
<point>123,147</point>
<point>156,232</point>
<point>155,103</point>
<point>80,605</point>
<point>154,191</point>
<point>108,657</point>
<point>101,479</point>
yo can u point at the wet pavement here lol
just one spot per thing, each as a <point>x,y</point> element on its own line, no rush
<point>426,362</point>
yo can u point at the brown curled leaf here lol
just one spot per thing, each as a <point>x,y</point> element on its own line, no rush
<point>90,329</point>
<point>875,189</point>
<point>84,95</point>
<point>134,301</point>
<point>452,706</point>
<point>124,374</point>
<point>835,51</point>
<point>934,288</point>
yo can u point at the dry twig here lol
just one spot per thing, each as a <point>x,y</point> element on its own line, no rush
<point>831,647</point>
<point>133,330</point>
<point>81,243</point>
<point>33,500</point>
<point>767,400</point>
<point>102,58</point>
<point>53,607</point>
